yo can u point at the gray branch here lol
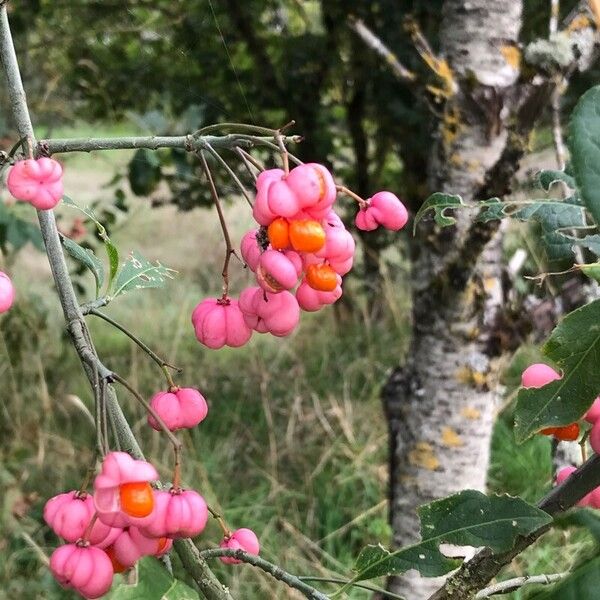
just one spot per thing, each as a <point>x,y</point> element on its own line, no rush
<point>208,584</point>
<point>277,572</point>
<point>191,143</point>
<point>510,585</point>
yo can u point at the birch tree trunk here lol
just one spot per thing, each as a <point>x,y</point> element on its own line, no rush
<point>439,405</point>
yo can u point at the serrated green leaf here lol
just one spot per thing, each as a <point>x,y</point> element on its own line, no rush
<point>468,518</point>
<point>548,178</point>
<point>152,582</point>
<point>574,346</point>
<point>584,146</point>
<point>137,272</point>
<point>581,584</point>
<point>87,258</point>
<point>439,203</point>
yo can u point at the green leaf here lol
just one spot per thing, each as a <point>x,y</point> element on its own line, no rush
<point>153,582</point>
<point>584,146</point>
<point>591,270</point>
<point>553,216</point>
<point>144,172</point>
<point>549,177</point>
<point>113,261</point>
<point>574,346</point>
<point>440,203</point>
<point>468,518</point>
<point>581,584</point>
<point>138,272</point>
<point>87,258</point>
<point>591,242</point>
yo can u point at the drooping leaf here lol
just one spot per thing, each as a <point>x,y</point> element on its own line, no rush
<point>144,172</point>
<point>87,258</point>
<point>440,204</point>
<point>153,582</point>
<point>137,272</point>
<point>113,261</point>
<point>581,584</point>
<point>468,518</point>
<point>574,346</point>
<point>548,178</point>
<point>584,145</point>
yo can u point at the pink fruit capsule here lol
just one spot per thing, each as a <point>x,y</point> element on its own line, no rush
<point>219,323</point>
<point>177,514</point>
<point>278,314</point>
<point>241,539</point>
<point>385,209</point>
<point>250,249</point>
<point>538,375</point>
<point>69,515</point>
<point>261,211</point>
<point>132,544</point>
<point>593,414</point>
<point>181,409</point>
<point>276,272</point>
<point>7,292</point>
<point>119,471</point>
<point>38,182</point>
<point>311,300</point>
<point>85,569</point>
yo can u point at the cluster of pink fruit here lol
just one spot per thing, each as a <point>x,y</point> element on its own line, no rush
<point>124,520</point>
<point>301,243</point>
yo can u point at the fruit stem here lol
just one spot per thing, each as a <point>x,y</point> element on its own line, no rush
<point>344,190</point>
<point>229,249</point>
<point>177,468</point>
<point>163,364</point>
<point>88,530</point>
<point>221,521</point>
<point>284,153</point>
<point>172,438</point>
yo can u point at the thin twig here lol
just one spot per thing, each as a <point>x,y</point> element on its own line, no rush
<point>220,520</point>
<point>250,158</point>
<point>229,250</point>
<point>510,585</point>
<point>375,43</point>
<point>364,586</point>
<point>277,572</point>
<point>232,174</point>
<point>161,362</point>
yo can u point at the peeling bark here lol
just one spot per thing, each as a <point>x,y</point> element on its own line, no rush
<point>440,405</point>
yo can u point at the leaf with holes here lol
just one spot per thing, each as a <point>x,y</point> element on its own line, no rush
<point>440,204</point>
<point>574,346</point>
<point>138,273</point>
<point>554,216</point>
<point>468,518</point>
<point>591,242</point>
<point>584,145</point>
<point>87,258</point>
<point>548,178</point>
